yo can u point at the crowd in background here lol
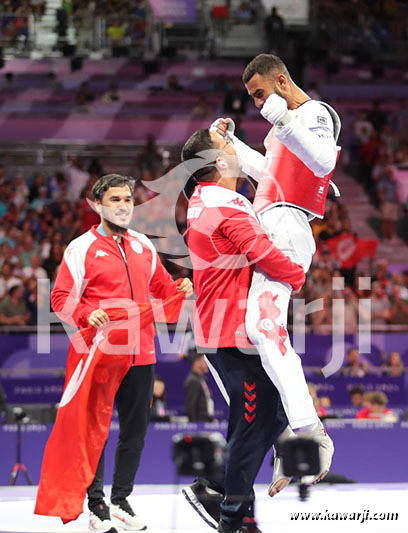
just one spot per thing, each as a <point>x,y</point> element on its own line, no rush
<point>40,216</point>
<point>388,292</point>
<point>362,28</point>
<point>113,23</point>
<point>14,20</point>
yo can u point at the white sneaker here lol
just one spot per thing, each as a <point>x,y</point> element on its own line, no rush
<point>96,525</point>
<point>279,480</point>
<point>326,451</point>
<point>123,517</point>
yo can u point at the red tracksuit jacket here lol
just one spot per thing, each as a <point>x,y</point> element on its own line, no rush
<point>226,242</point>
<point>94,270</point>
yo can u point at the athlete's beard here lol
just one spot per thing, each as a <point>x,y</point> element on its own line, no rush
<point>118,230</point>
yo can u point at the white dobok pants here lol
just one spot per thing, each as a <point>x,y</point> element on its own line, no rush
<point>267,311</point>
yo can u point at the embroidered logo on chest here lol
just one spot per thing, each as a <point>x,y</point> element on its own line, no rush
<point>100,253</point>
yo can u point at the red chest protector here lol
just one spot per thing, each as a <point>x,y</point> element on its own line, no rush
<point>286,180</point>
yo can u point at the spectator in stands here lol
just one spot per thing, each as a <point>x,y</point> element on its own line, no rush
<point>275,32</point>
<point>202,107</point>
<point>325,402</point>
<point>31,299</point>
<point>377,116</point>
<point>380,305</point>
<point>363,128</point>
<point>86,213</point>
<point>173,83</point>
<point>29,245</point>
<point>388,198</point>
<point>389,140</point>
<point>198,399</point>
<point>116,32</point>
<point>243,14</point>
<point>150,157</point>
<point>325,260</point>
<point>38,7</point>
<point>62,24</point>
<point>357,395</point>
<point>404,285</point>
<point>398,307</point>
<point>13,309</point>
<point>84,95</point>
<point>376,407</point>
<point>158,409</point>
<point>322,283</point>
<point>7,279</point>
<point>6,255</point>
<point>368,154</point>
<point>35,269</point>
<point>349,314</point>
<point>333,228</point>
<point>112,95</point>
<point>41,200</point>
<point>38,183</point>
<point>395,365</point>
<point>53,260</point>
<point>84,25</point>
<point>354,366</point>
<point>235,100</point>
<point>58,187</point>
<point>381,273</point>
<point>21,191</point>
<point>76,177</point>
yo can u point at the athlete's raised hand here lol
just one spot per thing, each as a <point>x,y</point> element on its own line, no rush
<point>223,126</point>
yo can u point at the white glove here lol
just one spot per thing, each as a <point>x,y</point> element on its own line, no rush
<point>275,110</point>
<point>230,126</point>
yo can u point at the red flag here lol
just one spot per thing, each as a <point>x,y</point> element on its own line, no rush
<point>97,363</point>
<point>349,250</point>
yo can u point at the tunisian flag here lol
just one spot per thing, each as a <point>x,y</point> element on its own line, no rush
<point>349,249</point>
<point>98,360</point>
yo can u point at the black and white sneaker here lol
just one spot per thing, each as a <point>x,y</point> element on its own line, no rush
<point>100,520</point>
<point>205,501</point>
<point>125,518</point>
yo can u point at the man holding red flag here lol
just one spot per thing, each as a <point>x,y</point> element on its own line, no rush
<point>107,274</point>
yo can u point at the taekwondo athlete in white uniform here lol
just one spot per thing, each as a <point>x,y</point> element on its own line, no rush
<point>293,180</point>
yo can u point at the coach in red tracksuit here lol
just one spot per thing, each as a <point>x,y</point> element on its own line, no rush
<point>226,241</point>
<point>109,262</point>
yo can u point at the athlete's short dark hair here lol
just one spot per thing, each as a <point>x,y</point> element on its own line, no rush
<point>264,64</point>
<point>111,180</point>
<point>198,142</point>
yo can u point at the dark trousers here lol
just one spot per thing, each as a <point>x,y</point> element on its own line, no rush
<point>256,419</point>
<point>133,400</point>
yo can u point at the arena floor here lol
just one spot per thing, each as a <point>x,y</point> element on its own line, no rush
<point>165,510</point>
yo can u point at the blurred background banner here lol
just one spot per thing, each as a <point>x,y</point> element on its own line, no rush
<point>174,11</point>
